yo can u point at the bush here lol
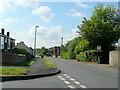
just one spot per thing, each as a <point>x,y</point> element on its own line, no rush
<point>19,51</point>
<point>65,55</point>
<point>72,55</point>
<point>89,56</point>
<point>81,56</point>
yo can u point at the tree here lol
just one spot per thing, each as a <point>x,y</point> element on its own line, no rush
<point>102,28</point>
<point>82,46</point>
<point>43,50</point>
<point>72,46</point>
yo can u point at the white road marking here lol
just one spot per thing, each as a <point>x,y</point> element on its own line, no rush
<point>66,82</point>
<point>71,86</point>
<point>61,77</point>
<point>76,82</point>
<point>68,76</point>
<point>72,79</point>
<point>65,74</point>
<point>82,86</point>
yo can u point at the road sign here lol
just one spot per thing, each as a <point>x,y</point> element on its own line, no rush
<point>99,48</point>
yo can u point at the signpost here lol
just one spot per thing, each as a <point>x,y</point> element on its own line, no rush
<point>99,57</point>
<point>99,48</point>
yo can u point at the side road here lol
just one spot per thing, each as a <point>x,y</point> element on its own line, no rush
<point>36,70</point>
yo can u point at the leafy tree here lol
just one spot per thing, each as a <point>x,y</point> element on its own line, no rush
<point>72,46</point>
<point>102,28</point>
<point>43,50</point>
<point>82,46</point>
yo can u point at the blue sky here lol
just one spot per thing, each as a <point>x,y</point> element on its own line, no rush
<point>55,20</point>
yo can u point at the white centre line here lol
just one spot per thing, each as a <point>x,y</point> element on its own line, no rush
<point>66,82</point>
<point>68,76</point>
<point>61,77</point>
<point>72,79</point>
<point>71,86</point>
<point>65,74</point>
<point>76,82</point>
<point>82,86</point>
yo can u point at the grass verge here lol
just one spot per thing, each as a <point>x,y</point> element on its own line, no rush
<point>24,63</point>
<point>48,63</point>
<point>5,71</point>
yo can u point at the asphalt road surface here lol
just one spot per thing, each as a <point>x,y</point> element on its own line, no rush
<point>73,75</point>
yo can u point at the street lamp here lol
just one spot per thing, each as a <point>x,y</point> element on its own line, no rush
<point>35,41</point>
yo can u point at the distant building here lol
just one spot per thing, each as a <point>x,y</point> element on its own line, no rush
<point>23,46</point>
<point>6,43</point>
<point>54,51</point>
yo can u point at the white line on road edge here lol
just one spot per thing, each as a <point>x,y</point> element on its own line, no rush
<point>82,86</point>
<point>76,82</point>
<point>66,82</point>
<point>71,86</point>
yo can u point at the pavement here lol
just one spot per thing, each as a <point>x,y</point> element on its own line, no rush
<point>36,70</point>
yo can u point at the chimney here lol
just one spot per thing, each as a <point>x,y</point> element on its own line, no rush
<point>8,34</point>
<point>2,30</point>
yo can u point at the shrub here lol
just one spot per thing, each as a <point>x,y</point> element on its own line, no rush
<point>65,55</point>
<point>81,56</point>
<point>72,55</point>
<point>89,56</point>
<point>19,51</point>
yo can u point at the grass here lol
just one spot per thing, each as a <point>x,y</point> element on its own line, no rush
<point>48,63</point>
<point>5,71</point>
<point>24,63</point>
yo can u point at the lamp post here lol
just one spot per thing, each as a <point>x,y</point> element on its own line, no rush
<point>35,41</point>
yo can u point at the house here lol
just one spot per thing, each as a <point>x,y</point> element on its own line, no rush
<point>6,42</point>
<point>54,51</point>
<point>23,46</point>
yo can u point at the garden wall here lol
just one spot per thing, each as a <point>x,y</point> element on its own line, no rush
<point>11,58</point>
<point>114,58</point>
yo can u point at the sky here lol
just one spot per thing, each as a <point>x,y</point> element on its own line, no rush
<point>55,20</point>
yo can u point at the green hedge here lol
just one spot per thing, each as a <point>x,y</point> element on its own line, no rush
<point>88,56</point>
<point>65,55</point>
<point>68,55</point>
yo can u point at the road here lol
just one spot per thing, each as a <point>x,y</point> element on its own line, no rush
<point>73,75</point>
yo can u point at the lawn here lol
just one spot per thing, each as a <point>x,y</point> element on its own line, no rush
<point>5,71</point>
<point>48,63</point>
<point>24,63</point>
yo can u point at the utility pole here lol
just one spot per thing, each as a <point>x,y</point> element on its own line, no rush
<point>35,41</point>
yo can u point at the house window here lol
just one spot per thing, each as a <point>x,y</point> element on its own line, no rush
<point>1,42</point>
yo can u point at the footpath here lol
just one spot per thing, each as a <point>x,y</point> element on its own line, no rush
<point>36,70</point>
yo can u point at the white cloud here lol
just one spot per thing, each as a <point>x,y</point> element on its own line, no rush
<point>6,6</point>
<point>46,36</point>
<point>26,3</point>
<point>44,12</point>
<point>75,13</point>
<point>14,20</point>
<point>80,4</point>
<point>71,35</point>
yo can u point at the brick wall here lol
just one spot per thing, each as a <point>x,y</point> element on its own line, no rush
<point>10,58</point>
<point>114,58</point>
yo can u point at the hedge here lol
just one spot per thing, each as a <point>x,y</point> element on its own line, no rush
<point>88,56</point>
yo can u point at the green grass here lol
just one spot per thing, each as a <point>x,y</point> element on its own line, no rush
<point>24,63</point>
<point>13,71</point>
<point>48,63</point>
